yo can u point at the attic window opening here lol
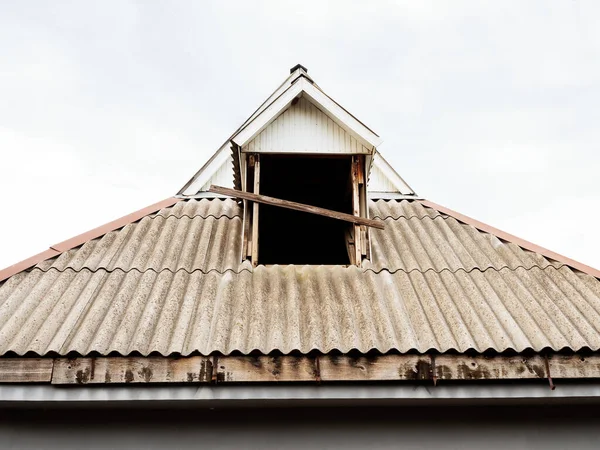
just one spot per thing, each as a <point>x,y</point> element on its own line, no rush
<point>284,236</point>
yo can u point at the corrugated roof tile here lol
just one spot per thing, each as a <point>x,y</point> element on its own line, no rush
<point>205,235</point>
<point>298,308</point>
<point>172,283</point>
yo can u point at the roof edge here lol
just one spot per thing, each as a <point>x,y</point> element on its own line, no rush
<point>514,239</point>
<point>63,246</point>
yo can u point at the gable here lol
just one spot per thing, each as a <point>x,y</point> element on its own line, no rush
<point>298,117</point>
<point>304,128</point>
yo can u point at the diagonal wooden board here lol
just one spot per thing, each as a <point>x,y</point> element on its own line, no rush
<point>297,206</point>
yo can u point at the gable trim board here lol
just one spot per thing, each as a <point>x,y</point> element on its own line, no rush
<point>323,102</point>
<point>303,128</point>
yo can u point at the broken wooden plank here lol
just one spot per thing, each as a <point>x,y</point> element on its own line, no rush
<point>194,369</point>
<point>297,206</point>
<point>26,370</point>
<point>266,369</point>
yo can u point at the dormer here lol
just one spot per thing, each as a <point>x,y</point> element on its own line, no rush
<point>302,147</point>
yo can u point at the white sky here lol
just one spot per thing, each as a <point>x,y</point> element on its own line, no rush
<point>489,108</point>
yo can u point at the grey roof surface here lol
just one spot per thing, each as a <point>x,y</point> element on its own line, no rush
<point>172,283</point>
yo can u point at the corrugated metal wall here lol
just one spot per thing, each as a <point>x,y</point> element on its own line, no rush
<point>306,129</point>
<point>518,427</point>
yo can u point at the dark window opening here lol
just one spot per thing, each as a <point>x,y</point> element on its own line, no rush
<point>294,237</point>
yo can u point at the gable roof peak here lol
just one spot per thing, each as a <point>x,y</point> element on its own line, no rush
<point>326,116</point>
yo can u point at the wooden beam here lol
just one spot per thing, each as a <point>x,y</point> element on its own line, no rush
<point>246,251</point>
<point>25,370</point>
<point>302,368</point>
<point>298,207</point>
<point>383,368</point>
<point>355,178</point>
<point>109,370</point>
<point>255,212</point>
<point>266,369</point>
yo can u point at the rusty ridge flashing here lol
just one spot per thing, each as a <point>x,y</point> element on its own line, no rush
<point>514,239</point>
<point>78,240</point>
<point>317,370</point>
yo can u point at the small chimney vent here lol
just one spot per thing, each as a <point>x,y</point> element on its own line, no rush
<point>298,66</point>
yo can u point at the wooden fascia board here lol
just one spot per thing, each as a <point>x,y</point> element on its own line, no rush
<point>220,369</point>
<point>514,239</point>
<point>329,107</point>
<point>78,240</point>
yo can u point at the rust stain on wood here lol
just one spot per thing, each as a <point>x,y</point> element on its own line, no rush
<point>194,369</point>
<point>287,368</point>
<point>266,369</point>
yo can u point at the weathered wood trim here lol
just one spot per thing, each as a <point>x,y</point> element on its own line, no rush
<point>25,370</point>
<point>195,369</point>
<point>297,206</point>
<point>383,368</point>
<point>312,369</point>
<point>245,369</point>
<point>576,366</point>
<point>459,367</point>
<point>355,180</point>
<point>255,211</point>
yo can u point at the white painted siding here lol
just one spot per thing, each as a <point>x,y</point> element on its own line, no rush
<point>378,182</point>
<point>383,179</point>
<point>222,176</point>
<point>303,128</point>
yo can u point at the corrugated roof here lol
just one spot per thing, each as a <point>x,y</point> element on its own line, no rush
<point>205,235</point>
<point>172,283</point>
<point>302,308</point>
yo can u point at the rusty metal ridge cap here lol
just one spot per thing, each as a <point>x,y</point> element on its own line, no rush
<point>514,239</point>
<point>63,246</point>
